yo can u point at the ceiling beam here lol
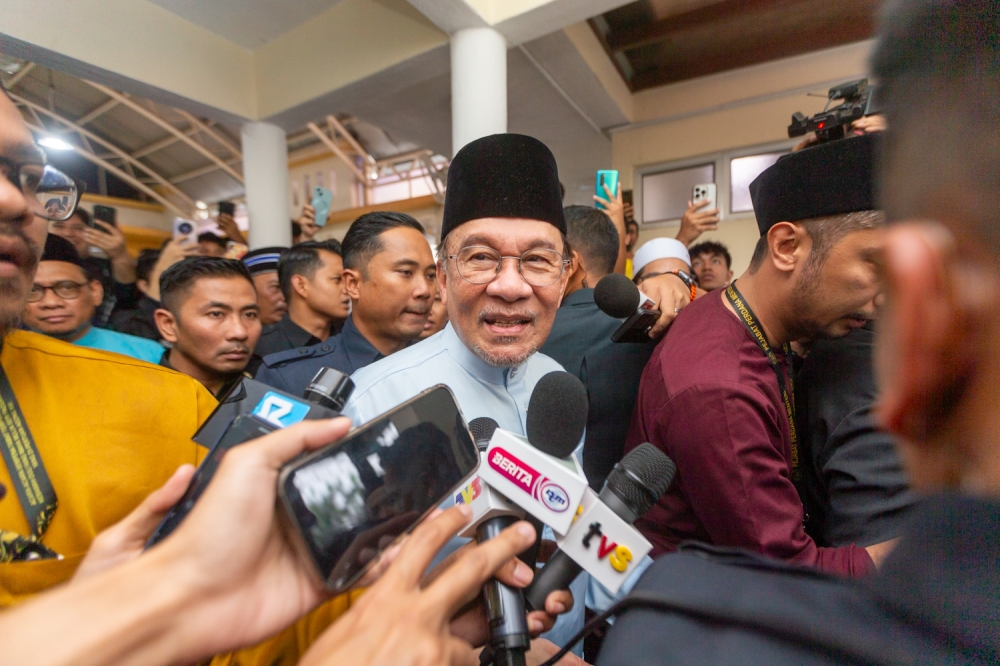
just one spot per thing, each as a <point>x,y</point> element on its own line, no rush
<point>96,112</point>
<point>658,31</point>
<point>218,137</point>
<point>332,145</point>
<point>88,136</point>
<point>170,127</point>
<point>133,182</point>
<point>20,74</point>
<point>334,124</point>
<point>200,171</point>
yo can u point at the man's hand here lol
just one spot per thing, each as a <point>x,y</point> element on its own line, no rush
<point>229,227</point>
<point>615,209</point>
<point>112,241</point>
<point>125,540</point>
<point>399,621</point>
<point>308,222</point>
<point>879,551</point>
<point>671,296</point>
<point>542,650</point>
<point>174,251</point>
<point>697,221</point>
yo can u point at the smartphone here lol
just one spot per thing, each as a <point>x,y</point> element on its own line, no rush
<point>105,214</point>
<point>186,230</point>
<point>321,201</point>
<point>227,208</point>
<point>347,502</point>
<point>609,178</point>
<point>703,192</point>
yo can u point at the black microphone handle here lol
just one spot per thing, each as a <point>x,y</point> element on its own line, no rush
<point>557,574</point>
<point>505,611</point>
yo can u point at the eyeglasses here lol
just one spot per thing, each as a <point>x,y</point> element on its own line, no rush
<point>480,265</point>
<point>66,290</point>
<point>51,194</point>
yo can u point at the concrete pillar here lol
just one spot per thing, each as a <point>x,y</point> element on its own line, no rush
<point>478,85</point>
<point>265,169</point>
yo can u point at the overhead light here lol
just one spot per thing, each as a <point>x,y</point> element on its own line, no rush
<point>201,205</point>
<point>55,143</point>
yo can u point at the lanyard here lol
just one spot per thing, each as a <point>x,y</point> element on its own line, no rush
<point>787,388</point>
<point>31,481</point>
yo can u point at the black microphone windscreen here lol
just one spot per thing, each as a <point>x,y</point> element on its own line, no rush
<point>617,296</point>
<point>642,477</point>
<point>557,414</point>
<point>482,428</point>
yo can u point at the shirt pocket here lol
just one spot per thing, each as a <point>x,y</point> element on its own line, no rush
<point>21,580</point>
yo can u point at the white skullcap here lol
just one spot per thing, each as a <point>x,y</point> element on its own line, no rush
<point>659,248</point>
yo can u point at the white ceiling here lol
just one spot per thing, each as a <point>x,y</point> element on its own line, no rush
<point>249,23</point>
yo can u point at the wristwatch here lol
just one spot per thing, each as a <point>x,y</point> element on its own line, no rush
<point>687,280</point>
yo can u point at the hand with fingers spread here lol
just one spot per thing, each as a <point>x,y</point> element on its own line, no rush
<point>400,620</point>
<point>697,221</point>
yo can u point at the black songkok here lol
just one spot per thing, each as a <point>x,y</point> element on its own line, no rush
<point>829,179</point>
<point>58,248</point>
<point>503,175</point>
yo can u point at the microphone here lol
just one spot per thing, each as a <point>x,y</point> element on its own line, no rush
<point>538,473</point>
<point>618,297</point>
<point>505,611</point>
<point>602,539</point>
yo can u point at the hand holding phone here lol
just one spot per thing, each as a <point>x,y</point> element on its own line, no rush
<point>105,214</point>
<point>609,179</point>
<point>185,231</point>
<point>321,201</point>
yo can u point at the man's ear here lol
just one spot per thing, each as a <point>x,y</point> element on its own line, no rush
<point>166,324</point>
<point>96,292</point>
<point>924,353</point>
<point>300,285</point>
<point>352,283</point>
<point>142,286</point>
<point>789,245</point>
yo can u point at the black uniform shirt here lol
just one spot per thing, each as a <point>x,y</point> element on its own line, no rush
<point>581,342</point>
<point>282,336</point>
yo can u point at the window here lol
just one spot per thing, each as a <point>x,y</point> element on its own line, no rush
<point>665,194</point>
<point>742,172</point>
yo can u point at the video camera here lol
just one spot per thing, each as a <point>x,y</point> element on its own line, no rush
<point>832,124</point>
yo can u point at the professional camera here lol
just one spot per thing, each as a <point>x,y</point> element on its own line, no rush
<point>831,124</point>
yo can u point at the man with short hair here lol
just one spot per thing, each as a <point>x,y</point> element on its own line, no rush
<point>263,266</point>
<point>62,302</point>
<point>209,317</point>
<point>311,279</point>
<point>717,395</point>
<point>211,245</point>
<point>712,263</point>
<point>101,430</point>
<point>390,276</point>
<point>580,341</point>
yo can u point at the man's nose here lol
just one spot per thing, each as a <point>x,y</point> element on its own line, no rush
<point>509,285</point>
<point>14,206</point>
<point>238,329</point>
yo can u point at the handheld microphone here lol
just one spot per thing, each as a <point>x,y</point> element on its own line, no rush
<point>618,297</point>
<point>538,473</point>
<point>505,611</point>
<point>602,539</point>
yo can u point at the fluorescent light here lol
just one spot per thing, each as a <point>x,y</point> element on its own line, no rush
<point>55,143</point>
<point>201,205</point>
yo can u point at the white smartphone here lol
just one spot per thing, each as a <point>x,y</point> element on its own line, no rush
<point>706,191</point>
<point>186,230</point>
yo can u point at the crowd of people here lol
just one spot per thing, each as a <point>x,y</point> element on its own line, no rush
<point>829,411</point>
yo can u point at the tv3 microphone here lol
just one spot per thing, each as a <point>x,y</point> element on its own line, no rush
<point>539,473</point>
<point>602,539</point>
<point>618,297</point>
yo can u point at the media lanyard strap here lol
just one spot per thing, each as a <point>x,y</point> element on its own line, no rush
<point>31,481</point>
<point>786,387</point>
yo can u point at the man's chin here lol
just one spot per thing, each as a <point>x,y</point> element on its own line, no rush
<point>504,353</point>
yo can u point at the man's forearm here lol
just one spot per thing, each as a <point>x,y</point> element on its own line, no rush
<point>127,615</point>
<point>123,269</point>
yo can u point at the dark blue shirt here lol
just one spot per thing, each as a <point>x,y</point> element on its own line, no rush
<point>292,370</point>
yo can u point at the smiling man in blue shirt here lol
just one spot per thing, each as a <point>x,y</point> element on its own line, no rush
<point>502,267</point>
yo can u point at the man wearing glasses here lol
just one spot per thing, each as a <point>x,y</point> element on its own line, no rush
<point>502,266</point>
<point>87,434</point>
<point>64,298</point>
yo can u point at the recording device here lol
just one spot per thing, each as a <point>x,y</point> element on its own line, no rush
<point>609,178</point>
<point>227,208</point>
<point>602,539</point>
<point>252,410</point>
<point>706,192</point>
<point>185,231</point>
<point>347,502</point>
<point>834,123</point>
<point>105,214</point>
<point>484,502</point>
<point>618,297</point>
<point>322,199</point>
<point>539,473</point>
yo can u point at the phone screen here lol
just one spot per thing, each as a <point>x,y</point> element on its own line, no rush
<point>105,214</point>
<point>321,202</point>
<point>227,208</point>
<point>353,499</point>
